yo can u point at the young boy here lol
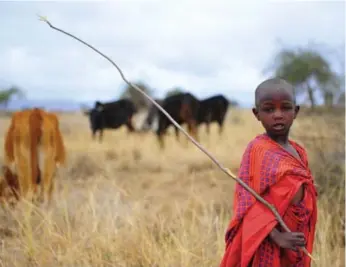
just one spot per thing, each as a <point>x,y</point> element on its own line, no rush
<point>276,168</point>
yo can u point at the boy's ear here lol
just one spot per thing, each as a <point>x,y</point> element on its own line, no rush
<point>255,112</point>
<point>296,110</point>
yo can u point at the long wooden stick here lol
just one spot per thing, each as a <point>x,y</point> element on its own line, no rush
<point>224,169</point>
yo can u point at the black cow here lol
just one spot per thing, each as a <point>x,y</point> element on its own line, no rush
<point>213,109</point>
<point>111,115</point>
<point>183,108</point>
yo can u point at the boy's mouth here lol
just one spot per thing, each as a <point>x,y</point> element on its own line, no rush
<point>278,126</point>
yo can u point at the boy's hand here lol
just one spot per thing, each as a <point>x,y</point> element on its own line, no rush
<point>289,240</point>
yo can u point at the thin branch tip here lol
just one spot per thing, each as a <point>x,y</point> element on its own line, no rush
<point>42,18</point>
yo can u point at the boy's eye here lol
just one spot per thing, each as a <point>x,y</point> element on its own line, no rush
<point>287,107</point>
<point>268,109</point>
<point>272,108</point>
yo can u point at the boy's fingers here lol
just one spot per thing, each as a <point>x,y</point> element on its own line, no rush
<point>299,239</point>
<point>298,234</point>
<point>300,243</point>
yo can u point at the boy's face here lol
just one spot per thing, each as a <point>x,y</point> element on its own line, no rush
<point>276,110</point>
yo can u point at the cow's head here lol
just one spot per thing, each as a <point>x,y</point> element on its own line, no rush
<point>95,117</point>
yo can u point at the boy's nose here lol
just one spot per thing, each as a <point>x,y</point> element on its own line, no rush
<point>277,114</point>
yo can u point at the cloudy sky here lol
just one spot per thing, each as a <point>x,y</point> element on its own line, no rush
<point>206,47</point>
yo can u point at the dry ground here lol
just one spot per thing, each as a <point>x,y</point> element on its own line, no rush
<point>126,203</point>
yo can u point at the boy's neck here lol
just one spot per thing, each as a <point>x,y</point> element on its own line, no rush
<point>282,139</point>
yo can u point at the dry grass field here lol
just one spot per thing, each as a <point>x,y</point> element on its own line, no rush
<point>126,203</point>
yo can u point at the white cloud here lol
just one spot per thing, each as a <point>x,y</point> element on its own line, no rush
<point>206,47</point>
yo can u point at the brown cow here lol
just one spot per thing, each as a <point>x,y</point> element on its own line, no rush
<point>183,108</point>
<point>33,149</point>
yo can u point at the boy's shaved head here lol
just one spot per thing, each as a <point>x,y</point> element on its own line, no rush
<point>276,108</point>
<point>272,85</point>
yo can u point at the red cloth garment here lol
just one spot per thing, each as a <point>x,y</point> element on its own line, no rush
<point>277,176</point>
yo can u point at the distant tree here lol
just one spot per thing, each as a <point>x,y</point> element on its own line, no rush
<point>174,91</point>
<point>140,101</point>
<point>309,72</point>
<point>7,94</point>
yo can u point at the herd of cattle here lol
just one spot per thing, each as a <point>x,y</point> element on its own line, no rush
<point>34,146</point>
<point>184,108</point>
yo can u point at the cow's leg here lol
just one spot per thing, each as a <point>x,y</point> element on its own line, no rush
<point>10,180</point>
<point>160,137</point>
<point>176,133</point>
<point>207,125</point>
<point>51,190</point>
<point>100,135</point>
<point>160,133</point>
<point>47,183</point>
<point>221,123</point>
<point>161,141</point>
<point>129,125</point>
<point>194,130</point>
<point>220,127</point>
<point>93,134</point>
<point>41,163</point>
<point>36,180</point>
<point>47,165</point>
<point>161,130</point>
<point>23,168</point>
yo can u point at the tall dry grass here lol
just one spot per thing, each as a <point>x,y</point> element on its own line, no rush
<point>126,203</point>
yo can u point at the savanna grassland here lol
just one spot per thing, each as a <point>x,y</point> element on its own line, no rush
<point>126,203</point>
